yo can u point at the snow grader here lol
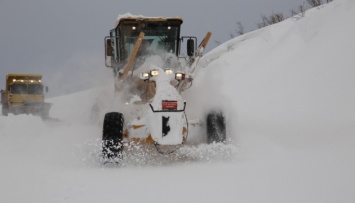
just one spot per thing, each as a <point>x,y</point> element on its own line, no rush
<point>151,73</point>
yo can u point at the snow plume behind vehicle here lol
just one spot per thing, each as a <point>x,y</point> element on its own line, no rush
<point>78,72</point>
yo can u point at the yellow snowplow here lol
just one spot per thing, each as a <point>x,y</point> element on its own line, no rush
<point>24,94</point>
<point>150,74</point>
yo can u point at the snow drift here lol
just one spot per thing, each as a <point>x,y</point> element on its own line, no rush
<point>288,91</point>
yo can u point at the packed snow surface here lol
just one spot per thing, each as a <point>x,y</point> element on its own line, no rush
<point>288,94</point>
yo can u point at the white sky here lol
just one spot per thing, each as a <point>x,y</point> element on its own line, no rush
<point>288,94</point>
<point>64,39</point>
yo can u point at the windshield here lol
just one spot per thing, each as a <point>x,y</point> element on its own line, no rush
<point>159,37</point>
<point>36,89</point>
<point>19,89</point>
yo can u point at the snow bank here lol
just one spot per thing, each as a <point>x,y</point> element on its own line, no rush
<point>287,91</point>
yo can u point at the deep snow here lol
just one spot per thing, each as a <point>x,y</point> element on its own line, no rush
<point>289,93</point>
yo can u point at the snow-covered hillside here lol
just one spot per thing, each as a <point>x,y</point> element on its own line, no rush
<point>289,93</point>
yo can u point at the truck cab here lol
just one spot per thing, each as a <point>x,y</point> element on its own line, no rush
<point>24,94</point>
<point>161,36</point>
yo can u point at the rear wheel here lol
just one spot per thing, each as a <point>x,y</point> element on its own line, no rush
<point>216,127</point>
<point>112,135</point>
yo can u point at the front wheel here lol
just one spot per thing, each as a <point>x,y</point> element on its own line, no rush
<point>216,127</point>
<point>112,135</point>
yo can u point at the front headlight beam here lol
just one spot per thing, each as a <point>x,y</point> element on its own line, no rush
<point>180,76</point>
<point>153,73</point>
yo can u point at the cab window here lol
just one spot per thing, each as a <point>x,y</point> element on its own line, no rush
<point>18,89</point>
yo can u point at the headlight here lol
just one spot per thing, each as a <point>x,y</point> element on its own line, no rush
<point>180,76</point>
<point>154,73</point>
<point>144,76</point>
<point>169,71</point>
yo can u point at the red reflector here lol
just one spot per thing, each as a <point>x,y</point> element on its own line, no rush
<point>169,105</point>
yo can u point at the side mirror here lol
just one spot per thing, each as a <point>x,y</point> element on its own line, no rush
<point>190,47</point>
<point>108,47</point>
<point>108,51</point>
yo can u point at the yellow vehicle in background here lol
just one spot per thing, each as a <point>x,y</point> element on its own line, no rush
<point>24,94</point>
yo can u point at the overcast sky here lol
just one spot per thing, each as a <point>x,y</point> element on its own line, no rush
<point>63,39</point>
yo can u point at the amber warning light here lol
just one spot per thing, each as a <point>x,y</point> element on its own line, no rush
<point>169,105</point>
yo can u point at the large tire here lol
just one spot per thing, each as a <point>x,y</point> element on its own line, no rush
<point>112,135</point>
<point>216,127</point>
